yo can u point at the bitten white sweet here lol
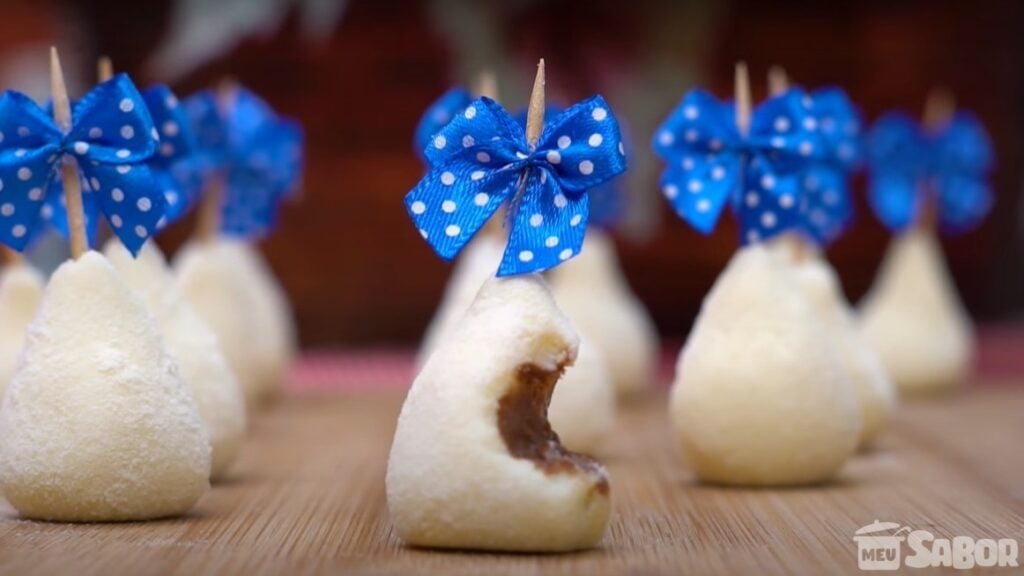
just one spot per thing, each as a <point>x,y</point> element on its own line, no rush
<point>21,290</point>
<point>230,287</point>
<point>582,410</point>
<point>192,346</point>
<point>592,290</point>
<point>915,320</point>
<point>474,463</point>
<point>760,396</point>
<point>96,424</point>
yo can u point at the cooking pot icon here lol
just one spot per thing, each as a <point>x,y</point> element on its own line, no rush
<point>878,547</point>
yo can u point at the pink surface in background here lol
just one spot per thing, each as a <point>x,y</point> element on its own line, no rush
<point>1000,359</point>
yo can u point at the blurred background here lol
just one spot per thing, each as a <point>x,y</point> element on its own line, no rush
<point>358,74</point>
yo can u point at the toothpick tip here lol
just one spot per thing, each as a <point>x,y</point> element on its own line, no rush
<point>939,107</point>
<point>778,80</point>
<point>59,92</point>
<point>227,88</point>
<point>743,99</point>
<point>104,68</point>
<point>487,84</point>
<point>535,111</point>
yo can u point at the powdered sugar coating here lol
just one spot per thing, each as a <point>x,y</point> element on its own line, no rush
<point>96,424</point>
<point>914,318</point>
<point>232,289</point>
<point>192,345</point>
<point>21,290</point>
<point>594,293</point>
<point>760,397</point>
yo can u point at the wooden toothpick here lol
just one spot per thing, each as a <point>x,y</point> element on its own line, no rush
<point>778,82</point>
<point>487,85</point>
<point>939,108</point>
<point>742,93</point>
<point>535,112</point>
<point>208,224</point>
<point>11,256</point>
<point>69,170</point>
<point>213,198</point>
<point>534,126</point>
<point>104,69</point>
<point>797,244</point>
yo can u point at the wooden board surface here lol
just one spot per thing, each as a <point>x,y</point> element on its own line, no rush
<point>307,498</point>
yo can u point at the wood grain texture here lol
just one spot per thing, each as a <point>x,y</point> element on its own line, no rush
<point>307,498</point>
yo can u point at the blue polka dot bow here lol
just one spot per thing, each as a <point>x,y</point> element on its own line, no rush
<point>111,140</point>
<point>175,164</point>
<point>605,202</point>
<point>481,160</point>
<point>711,164</point>
<point>438,115</point>
<point>827,208</point>
<point>172,167</point>
<point>258,154</point>
<point>909,168</point>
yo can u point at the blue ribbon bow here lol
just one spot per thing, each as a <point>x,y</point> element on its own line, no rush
<point>827,208</point>
<point>909,166</point>
<point>710,163</point>
<point>481,159</point>
<point>175,165</point>
<point>111,140</point>
<point>172,166</point>
<point>259,155</point>
<point>606,200</point>
<point>438,115</point>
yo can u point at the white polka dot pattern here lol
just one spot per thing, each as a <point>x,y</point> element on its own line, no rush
<point>579,150</point>
<point>452,103</point>
<point>711,165</point>
<point>102,143</point>
<point>260,153</point>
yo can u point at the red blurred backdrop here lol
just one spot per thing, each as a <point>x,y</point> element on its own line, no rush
<point>356,270</point>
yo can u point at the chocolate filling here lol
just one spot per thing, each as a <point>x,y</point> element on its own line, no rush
<point>523,424</point>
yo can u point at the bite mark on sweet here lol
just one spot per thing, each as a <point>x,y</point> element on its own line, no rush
<point>524,426</point>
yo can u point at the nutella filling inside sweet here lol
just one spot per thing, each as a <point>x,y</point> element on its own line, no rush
<point>523,424</point>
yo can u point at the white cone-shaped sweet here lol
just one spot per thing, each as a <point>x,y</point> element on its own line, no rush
<point>474,463</point>
<point>914,319</point>
<point>593,292</point>
<point>229,286</point>
<point>192,346</point>
<point>478,262</point>
<point>96,424</point>
<point>21,289</point>
<point>582,409</point>
<point>279,341</point>
<point>760,397</point>
<point>875,390</point>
